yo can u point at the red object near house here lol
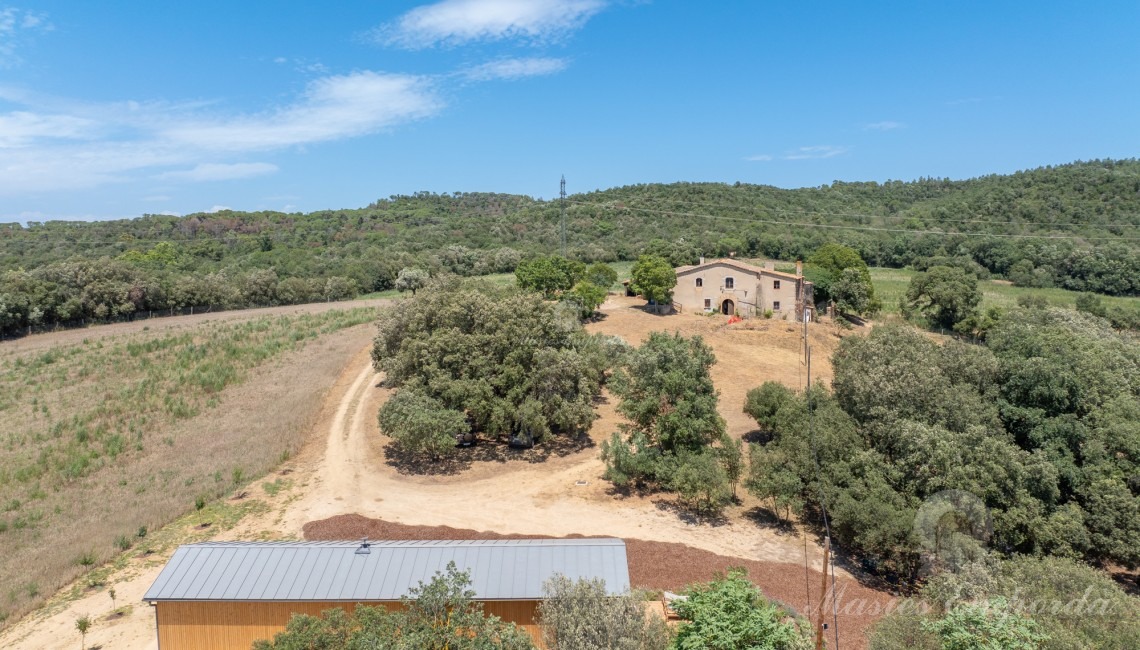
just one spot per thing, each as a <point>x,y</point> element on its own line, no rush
<point>734,319</point>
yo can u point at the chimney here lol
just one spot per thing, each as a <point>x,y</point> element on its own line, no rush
<point>702,259</point>
<point>799,268</point>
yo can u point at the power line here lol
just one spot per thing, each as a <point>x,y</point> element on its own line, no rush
<point>822,502</point>
<point>849,227</point>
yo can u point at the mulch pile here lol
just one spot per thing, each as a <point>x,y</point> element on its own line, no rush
<point>660,566</point>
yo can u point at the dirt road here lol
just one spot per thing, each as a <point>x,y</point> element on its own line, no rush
<point>342,470</point>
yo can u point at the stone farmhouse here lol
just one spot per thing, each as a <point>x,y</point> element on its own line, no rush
<point>733,287</point>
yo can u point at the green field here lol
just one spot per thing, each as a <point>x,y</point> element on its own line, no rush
<point>891,284</point>
<point>508,279</point>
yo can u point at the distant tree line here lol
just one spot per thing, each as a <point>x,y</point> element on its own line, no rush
<point>78,291</point>
<point>1082,220</point>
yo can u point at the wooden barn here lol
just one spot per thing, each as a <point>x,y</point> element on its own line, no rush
<point>226,595</point>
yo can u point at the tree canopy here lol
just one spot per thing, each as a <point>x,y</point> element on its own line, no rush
<point>654,278</point>
<point>1048,603</point>
<point>438,615</point>
<point>509,362</point>
<point>675,437</point>
<point>840,274</point>
<point>730,613</point>
<point>1039,425</point>
<point>410,279</point>
<point>945,295</point>
<point>1078,222</point>
<point>581,615</point>
<point>549,276</point>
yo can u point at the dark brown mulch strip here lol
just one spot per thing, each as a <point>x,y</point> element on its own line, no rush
<point>660,566</point>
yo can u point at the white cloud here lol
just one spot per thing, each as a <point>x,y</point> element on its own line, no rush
<point>760,157</point>
<point>453,22</point>
<point>515,68</point>
<point>220,172</point>
<point>20,128</point>
<point>332,108</point>
<point>217,208</point>
<point>814,152</point>
<point>58,144</point>
<point>885,125</point>
<point>15,26</point>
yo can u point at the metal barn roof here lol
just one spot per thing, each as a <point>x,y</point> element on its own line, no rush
<point>334,571</point>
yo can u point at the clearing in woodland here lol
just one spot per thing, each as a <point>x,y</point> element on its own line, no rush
<point>342,470</point>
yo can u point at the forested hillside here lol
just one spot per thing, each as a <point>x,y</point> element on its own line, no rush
<point>1074,226</point>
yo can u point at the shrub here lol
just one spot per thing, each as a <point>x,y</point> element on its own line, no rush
<point>730,613</point>
<point>763,402</point>
<point>580,615</point>
<point>422,424</point>
<point>437,614</point>
<point>700,480</point>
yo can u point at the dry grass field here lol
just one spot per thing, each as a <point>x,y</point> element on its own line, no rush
<point>106,434</point>
<point>343,468</point>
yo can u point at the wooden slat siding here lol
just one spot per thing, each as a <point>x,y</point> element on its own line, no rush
<point>217,625</point>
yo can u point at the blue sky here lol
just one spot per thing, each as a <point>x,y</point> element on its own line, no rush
<point>114,109</point>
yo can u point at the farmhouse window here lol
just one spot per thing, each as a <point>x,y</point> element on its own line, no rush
<point>776,306</point>
<point>775,284</point>
<point>700,282</point>
<point>729,282</point>
<point>708,303</point>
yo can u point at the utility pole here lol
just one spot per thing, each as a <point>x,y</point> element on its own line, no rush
<point>562,206</point>
<point>820,625</point>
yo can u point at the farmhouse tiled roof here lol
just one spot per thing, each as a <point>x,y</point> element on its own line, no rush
<point>747,268</point>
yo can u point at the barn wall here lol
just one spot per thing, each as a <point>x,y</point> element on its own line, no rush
<point>213,625</point>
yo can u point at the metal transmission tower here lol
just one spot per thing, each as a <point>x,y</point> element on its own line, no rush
<point>562,206</point>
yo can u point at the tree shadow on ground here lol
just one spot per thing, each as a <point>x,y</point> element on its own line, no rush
<point>1129,581</point>
<point>689,515</point>
<point>484,451</point>
<point>758,436</point>
<point>652,310</point>
<point>865,572</point>
<point>765,518</point>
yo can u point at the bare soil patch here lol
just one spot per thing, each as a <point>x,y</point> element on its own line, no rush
<point>659,566</point>
<point>248,430</point>
<point>342,468</point>
<point>748,353</point>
